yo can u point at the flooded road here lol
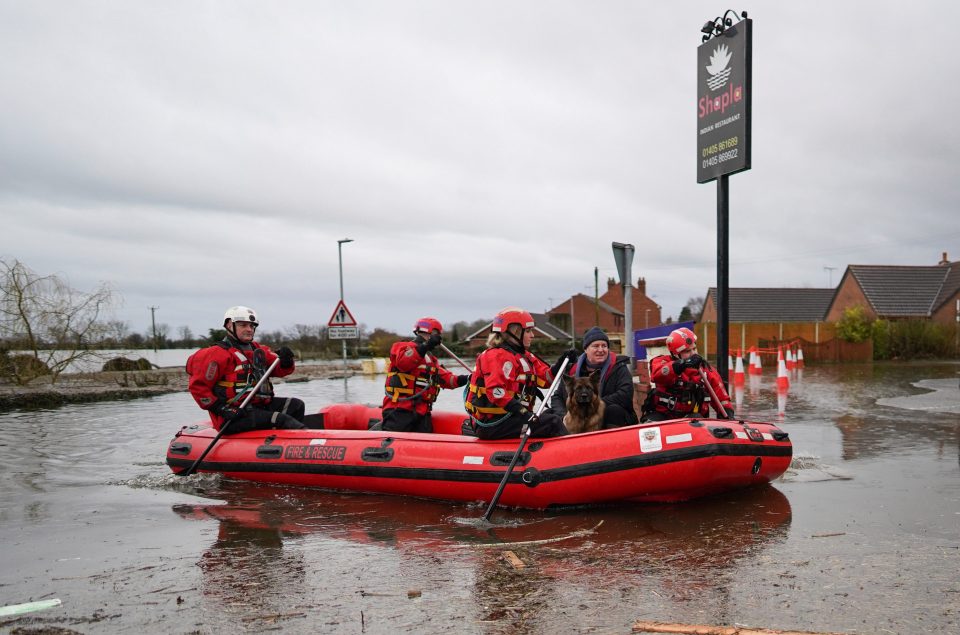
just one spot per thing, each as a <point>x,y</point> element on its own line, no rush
<point>862,535</point>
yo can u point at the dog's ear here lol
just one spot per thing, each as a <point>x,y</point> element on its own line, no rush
<point>568,382</point>
<point>595,378</point>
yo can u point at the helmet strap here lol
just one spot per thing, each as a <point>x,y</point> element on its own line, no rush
<point>517,340</point>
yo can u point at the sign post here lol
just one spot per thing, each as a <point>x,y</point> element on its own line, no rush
<point>623,255</point>
<point>724,110</point>
<point>342,325</point>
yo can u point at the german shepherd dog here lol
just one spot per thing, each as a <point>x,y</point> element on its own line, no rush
<point>584,406</point>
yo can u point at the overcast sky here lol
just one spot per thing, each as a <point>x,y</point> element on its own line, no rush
<point>480,154</point>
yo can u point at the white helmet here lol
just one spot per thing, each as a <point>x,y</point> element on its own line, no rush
<point>240,314</point>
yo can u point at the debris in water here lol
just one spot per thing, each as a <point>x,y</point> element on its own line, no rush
<point>514,560</point>
<point>28,607</point>
<point>703,629</point>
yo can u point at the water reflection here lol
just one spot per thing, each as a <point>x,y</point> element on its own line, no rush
<point>678,550</point>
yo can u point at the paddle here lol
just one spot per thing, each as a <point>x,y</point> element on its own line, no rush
<point>524,435</point>
<point>226,424</point>
<point>713,396</point>
<point>450,353</point>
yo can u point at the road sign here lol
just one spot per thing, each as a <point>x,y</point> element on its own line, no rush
<point>343,332</point>
<point>724,81</point>
<point>341,316</point>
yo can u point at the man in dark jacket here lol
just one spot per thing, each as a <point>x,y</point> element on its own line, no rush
<point>616,380</point>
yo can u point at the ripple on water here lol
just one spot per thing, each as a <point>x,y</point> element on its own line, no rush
<point>809,469</point>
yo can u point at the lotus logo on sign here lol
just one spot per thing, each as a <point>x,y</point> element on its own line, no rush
<point>718,69</point>
<point>723,103</point>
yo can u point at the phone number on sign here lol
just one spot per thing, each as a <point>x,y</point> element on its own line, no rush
<point>726,149</point>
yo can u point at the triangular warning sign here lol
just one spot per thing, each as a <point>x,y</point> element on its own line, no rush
<point>341,316</point>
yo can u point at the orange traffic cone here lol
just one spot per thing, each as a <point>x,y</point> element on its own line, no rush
<point>738,377</point>
<point>783,381</point>
<point>781,403</point>
<point>799,357</point>
<point>755,367</point>
<point>788,358</point>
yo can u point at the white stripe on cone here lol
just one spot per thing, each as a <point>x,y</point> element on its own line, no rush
<point>783,380</point>
<point>738,377</point>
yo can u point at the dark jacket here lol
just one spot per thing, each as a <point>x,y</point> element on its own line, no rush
<point>616,386</point>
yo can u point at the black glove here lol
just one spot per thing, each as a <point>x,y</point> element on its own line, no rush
<point>225,411</point>
<point>515,407</point>
<point>694,361</point>
<point>570,355</point>
<point>462,380</point>
<point>286,357</point>
<point>730,414</point>
<point>426,345</point>
<point>531,417</point>
<point>678,366</point>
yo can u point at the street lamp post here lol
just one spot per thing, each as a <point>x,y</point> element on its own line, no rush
<point>340,260</point>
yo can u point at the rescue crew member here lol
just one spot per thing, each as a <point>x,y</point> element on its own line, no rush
<point>616,380</point>
<point>679,391</point>
<point>505,382</point>
<point>414,380</point>
<point>221,376</point>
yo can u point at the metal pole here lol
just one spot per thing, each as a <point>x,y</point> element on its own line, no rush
<point>723,273</point>
<point>596,296</point>
<point>573,328</point>
<point>153,321</point>
<point>628,304</point>
<point>343,342</point>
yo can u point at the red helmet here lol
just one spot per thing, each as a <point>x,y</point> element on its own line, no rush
<point>427,325</point>
<point>681,339</point>
<point>511,315</point>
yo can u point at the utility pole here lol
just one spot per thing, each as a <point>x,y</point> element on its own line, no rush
<point>153,322</point>
<point>596,296</point>
<point>829,270</point>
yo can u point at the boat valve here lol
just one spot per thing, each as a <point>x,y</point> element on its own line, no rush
<point>531,477</point>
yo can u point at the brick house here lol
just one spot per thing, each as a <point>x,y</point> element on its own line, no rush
<point>580,312</point>
<point>900,292</point>
<point>762,315</point>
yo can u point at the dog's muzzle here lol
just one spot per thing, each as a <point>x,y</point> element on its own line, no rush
<point>583,397</point>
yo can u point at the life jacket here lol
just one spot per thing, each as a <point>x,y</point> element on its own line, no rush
<point>420,385</point>
<point>237,381</point>
<point>523,385</point>
<point>685,396</point>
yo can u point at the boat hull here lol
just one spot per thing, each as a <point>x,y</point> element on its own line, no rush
<point>665,461</point>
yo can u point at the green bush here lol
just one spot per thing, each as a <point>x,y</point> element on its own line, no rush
<point>913,339</point>
<point>880,331</point>
<point>854,326</point>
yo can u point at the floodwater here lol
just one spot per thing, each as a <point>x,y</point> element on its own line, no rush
<point>861,536</point>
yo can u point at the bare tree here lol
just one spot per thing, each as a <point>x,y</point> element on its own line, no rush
<point>117,331</point>
<point>186,335</point>
<point>696,306</point>
<point>52,322</point>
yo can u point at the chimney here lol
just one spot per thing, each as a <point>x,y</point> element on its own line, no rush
<point>642,285</point>
<point>611,283</point>
<point>944,260</point>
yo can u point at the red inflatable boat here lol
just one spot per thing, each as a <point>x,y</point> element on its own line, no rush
<point>663,461</point>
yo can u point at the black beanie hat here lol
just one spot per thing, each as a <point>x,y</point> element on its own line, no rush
<point>593,335</point>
